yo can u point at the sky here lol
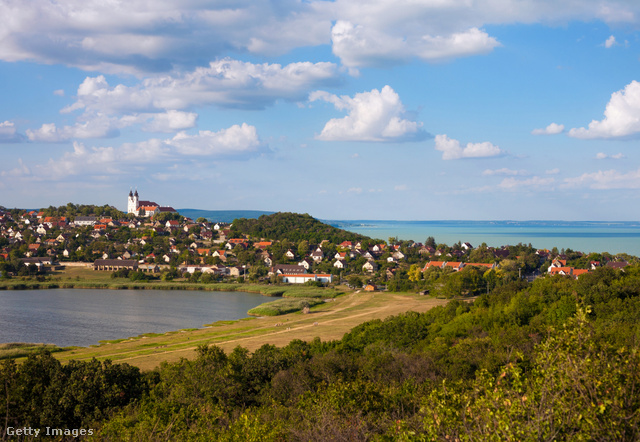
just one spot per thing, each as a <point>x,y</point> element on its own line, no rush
<point>346,109</point>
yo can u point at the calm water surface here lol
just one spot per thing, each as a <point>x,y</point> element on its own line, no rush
<point>585,236</point>
<point>68,317</point>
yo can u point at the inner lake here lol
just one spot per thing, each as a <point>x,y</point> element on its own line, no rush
<point>82,317</point>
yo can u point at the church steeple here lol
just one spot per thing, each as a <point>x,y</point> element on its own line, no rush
<point>132,202</point>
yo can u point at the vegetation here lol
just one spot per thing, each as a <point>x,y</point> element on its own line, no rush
<point>556,359</point>
<point>283,306</point>
<point>294,228</point>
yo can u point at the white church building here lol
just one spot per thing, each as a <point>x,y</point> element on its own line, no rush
<point>144,208</point>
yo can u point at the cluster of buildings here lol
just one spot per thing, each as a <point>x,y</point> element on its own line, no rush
<point>137,241</point>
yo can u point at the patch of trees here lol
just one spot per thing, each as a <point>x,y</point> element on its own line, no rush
<point>292,227</point>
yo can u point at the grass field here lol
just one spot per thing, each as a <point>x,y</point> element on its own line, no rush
<point>328,321</point>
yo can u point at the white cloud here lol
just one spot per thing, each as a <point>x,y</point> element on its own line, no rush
<point>226,83</point>
<point>605,180</point>
<point>138,36</point>
<point>452,150</point>
<point>171,121</point>
<point>235,140</point>
<point>59,92</point>
<point>553,171</point>
<point>551,129</point>
<point>401,187</point>
<point>621,116</point>
<point>604,156</point>
<point>535,182</point>
<point>372,116</point>
<point>610,42</point>
<point>238,141</point>
<point>358,46</point>
<point>504,172</point>
<point>98,126</point>
<point>8,133</point>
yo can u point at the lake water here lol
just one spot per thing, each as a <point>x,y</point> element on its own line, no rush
<point>585,236</point>
<point>67,317</point>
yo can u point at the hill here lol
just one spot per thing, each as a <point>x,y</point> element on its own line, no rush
<point>293,227</point>
<point>225,216</point>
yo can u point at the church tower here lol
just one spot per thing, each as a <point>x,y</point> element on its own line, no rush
<point>132,202</point>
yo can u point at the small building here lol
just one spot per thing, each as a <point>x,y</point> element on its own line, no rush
<point>115,264</point>
<point>302,278</point>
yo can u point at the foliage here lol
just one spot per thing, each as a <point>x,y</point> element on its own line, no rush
<point>292,227</point>
<point>283,306</point>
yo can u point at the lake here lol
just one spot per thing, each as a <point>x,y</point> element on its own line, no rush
<point>584,236</point>
<point>78,317</point>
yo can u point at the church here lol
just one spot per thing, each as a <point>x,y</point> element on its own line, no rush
<point>145,208</point>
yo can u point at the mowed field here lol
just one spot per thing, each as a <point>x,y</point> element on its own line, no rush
<point>328,321</point>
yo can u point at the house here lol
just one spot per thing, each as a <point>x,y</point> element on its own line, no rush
<point>287,269</point>
<point>306,263</point>
<point>437,264</point>
<point>85,220</point>
<point>456,266</point>
<point>340,264</point>
<point>236,271</point>
<point>565,271</point>
<point>370,266</point>
<point>317,256</point>
<point>289,254</point>
<point>466,246</point>
<point>301,279</point>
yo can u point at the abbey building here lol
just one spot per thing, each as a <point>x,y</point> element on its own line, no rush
<point>144,208</point>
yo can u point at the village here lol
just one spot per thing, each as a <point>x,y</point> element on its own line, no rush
<point>153,241</point>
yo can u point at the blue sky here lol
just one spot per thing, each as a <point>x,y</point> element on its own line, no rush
<point>407,110</point>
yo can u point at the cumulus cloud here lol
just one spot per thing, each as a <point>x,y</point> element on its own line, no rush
<point>605,180</point>
<point>377,115</point>
<point>8,133</point>
<point>137,36</point>
<point>226,83</point>
<point>610,42</point>
<point>237,141</point>
<point>98,126</point>
<point>358,46</point>
<point>452,150</point>
<point>621,116</point>
<point>551,129</point>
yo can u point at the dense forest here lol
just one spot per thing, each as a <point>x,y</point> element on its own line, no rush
<point>555,359</point>
<point>292,227</point>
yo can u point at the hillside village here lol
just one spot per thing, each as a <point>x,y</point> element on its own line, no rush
<point>154,242</point>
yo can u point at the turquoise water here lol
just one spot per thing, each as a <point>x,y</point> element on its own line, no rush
<point>585,236</point>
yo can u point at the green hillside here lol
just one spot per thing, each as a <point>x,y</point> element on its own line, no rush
<point>293,227</point>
